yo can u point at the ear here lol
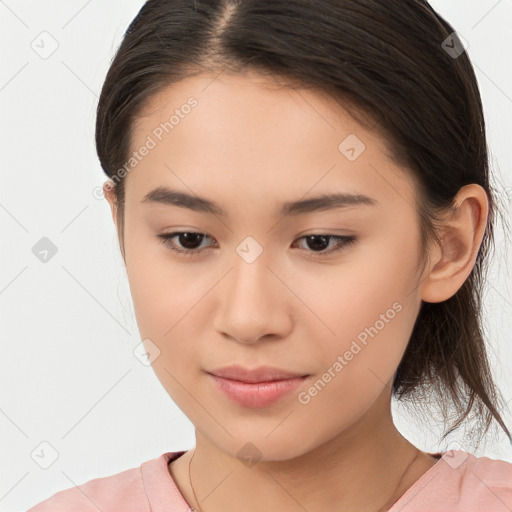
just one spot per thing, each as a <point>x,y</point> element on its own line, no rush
<point>461,237</point>
<point>109,193</point>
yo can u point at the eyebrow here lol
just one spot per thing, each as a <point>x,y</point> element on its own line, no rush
<point>167,196</point>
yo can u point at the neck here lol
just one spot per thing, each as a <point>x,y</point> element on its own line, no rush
<point>367,467</point>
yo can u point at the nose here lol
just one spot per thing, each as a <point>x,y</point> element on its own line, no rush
<point>253,303</point>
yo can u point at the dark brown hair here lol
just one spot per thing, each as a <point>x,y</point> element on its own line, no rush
<point>394,66</point>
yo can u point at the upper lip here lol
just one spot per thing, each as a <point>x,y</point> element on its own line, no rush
<point>259,374</point>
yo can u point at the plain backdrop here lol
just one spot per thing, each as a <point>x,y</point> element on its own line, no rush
<point>71,387</point>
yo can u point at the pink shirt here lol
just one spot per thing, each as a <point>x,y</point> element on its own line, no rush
<point>457,482</point>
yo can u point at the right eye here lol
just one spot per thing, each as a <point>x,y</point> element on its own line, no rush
<point>186,239</point>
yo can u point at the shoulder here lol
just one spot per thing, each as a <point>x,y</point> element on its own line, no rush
<point>485,482</point>
<point>461,482</point>
<point>124,490</point>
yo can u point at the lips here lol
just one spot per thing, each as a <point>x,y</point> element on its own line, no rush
<point>258,387</point>
<point>255,375</point>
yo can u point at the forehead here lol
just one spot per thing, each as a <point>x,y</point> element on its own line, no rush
<point>254,134</point>
<point>248,100</point>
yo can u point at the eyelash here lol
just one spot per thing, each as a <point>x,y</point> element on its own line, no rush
<point>165,238</point>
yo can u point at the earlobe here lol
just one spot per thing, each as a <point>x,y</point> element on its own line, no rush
<point>461,238</point>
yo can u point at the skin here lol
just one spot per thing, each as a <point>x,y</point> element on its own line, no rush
<point>249,146</point>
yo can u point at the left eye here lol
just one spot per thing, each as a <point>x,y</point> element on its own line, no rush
<point>316,240</point>
<point>189,238</point>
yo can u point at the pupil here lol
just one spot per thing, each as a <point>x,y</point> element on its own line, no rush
<point>315,237</point>
<point>187,236</point>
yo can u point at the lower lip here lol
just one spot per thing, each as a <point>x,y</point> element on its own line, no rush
<point>258,394</point>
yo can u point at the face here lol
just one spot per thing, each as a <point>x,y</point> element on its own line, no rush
<point>325,292</point>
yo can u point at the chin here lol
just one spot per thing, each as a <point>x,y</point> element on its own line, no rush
<point>251,449</point>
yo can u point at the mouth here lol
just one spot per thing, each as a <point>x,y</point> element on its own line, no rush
<point>260,387</point>
<point>256,375</point>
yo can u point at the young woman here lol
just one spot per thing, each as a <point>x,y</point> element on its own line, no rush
<point>301,193</point>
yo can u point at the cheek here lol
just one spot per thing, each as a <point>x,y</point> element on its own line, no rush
<point>352,371</point>
<point>158,288</point>
<point>368,309</point>
<point>169,300</point>
<point>163,304</point>
<point>352,295</point>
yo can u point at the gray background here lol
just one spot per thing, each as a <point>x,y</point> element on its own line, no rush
<point>68,375</point>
